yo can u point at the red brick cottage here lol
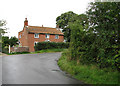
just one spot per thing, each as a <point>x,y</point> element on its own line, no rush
<point>31,35</point>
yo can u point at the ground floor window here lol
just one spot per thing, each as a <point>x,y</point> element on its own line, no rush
<point>35,43</point>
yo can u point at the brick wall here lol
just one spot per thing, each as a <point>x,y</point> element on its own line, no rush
<point>27,39</point>
<point>19,49</point>
<point>42,38</point>
<point>24,37</point>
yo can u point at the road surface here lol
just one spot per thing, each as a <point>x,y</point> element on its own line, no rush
<point>34,69</point>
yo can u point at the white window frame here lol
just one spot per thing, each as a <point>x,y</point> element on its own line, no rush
<point>47,40</point>
<point>48,35</point>
<point>35,35</point>
<point>19,36</point>
<point>35,43</point>
<point>57,37</point>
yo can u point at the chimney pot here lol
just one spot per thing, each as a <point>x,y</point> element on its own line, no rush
<point>25,22</point>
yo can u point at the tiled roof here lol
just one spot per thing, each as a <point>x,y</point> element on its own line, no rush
<point>37,29</point>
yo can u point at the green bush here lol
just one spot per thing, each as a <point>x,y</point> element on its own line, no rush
<point>87,48</point>
<point>50,45</point>
<point>89,74</point>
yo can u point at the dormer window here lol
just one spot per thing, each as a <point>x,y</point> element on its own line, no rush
<point>36,35</point>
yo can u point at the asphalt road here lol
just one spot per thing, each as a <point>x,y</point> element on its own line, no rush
<point>34,69</point>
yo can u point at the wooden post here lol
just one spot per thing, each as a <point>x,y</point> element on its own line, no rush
<point>9,48</point>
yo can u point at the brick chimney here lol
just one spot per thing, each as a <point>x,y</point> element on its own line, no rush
<point>25,22</point>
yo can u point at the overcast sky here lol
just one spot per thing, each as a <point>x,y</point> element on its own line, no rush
<point>38,12</point>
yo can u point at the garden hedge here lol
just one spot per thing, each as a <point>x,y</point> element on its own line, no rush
<point>50,45</point>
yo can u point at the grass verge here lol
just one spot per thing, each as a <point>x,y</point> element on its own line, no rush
<point>90,74</point>
<point>41,51</point>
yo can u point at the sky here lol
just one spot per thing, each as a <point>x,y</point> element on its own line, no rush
<point>38,12</point>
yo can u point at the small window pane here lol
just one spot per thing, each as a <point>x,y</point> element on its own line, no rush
<point>36,35</point>
<point>20,36</point>
<point>47,35</point>
<point>35,43</point>
<point>56,36</point>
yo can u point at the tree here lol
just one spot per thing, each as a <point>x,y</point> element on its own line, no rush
<point>65,19</point>
<point>2,32</point>
<point>5,44</point>
<point>98,42</point>
<point>13,41</point>
<point>2,29</point>
<point>103,20</point>
<point>5,41</point>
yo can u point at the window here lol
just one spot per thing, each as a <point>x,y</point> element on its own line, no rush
<point>56,36</point>
<point>20,36</point>
<point>35,43</point>
<point>47,40</point>
<point>36,35</point>
<point>47,35</point>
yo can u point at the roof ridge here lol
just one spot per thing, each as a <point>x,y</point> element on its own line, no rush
<point>43,27</point>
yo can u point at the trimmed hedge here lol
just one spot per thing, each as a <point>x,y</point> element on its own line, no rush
<point>50,45</point>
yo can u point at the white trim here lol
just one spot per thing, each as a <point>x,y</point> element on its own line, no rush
<point>47,40</point>
<point>56,35</point>
<point>19,36</point>
<point>35,42</point>
<point>48,35</point>
<point>37,34</point>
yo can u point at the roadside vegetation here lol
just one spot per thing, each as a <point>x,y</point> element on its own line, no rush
<point>89,74</point>
<point>94,52</point>
<point>40,51</point>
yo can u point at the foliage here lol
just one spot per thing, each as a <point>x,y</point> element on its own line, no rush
<point>6,42</point>
<point>103,17</point>
<point>2,28</point>
<point>69,17</point>
<point>89,74</point>
<point>97,43</point>
<point>50,45</point>
<point>2,32</point>
<point>41,51</point>
<point>13,41</point>
<point>63,21</point>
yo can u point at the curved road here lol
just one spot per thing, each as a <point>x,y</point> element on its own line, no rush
<point>34,69</point>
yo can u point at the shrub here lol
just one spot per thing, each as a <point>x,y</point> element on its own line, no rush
<point>50,45</point>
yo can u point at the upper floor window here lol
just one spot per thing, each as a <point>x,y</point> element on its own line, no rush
<point>47,35</point>
<point>56,36</point>
<point>19,36</point>
<point>36,35</point>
